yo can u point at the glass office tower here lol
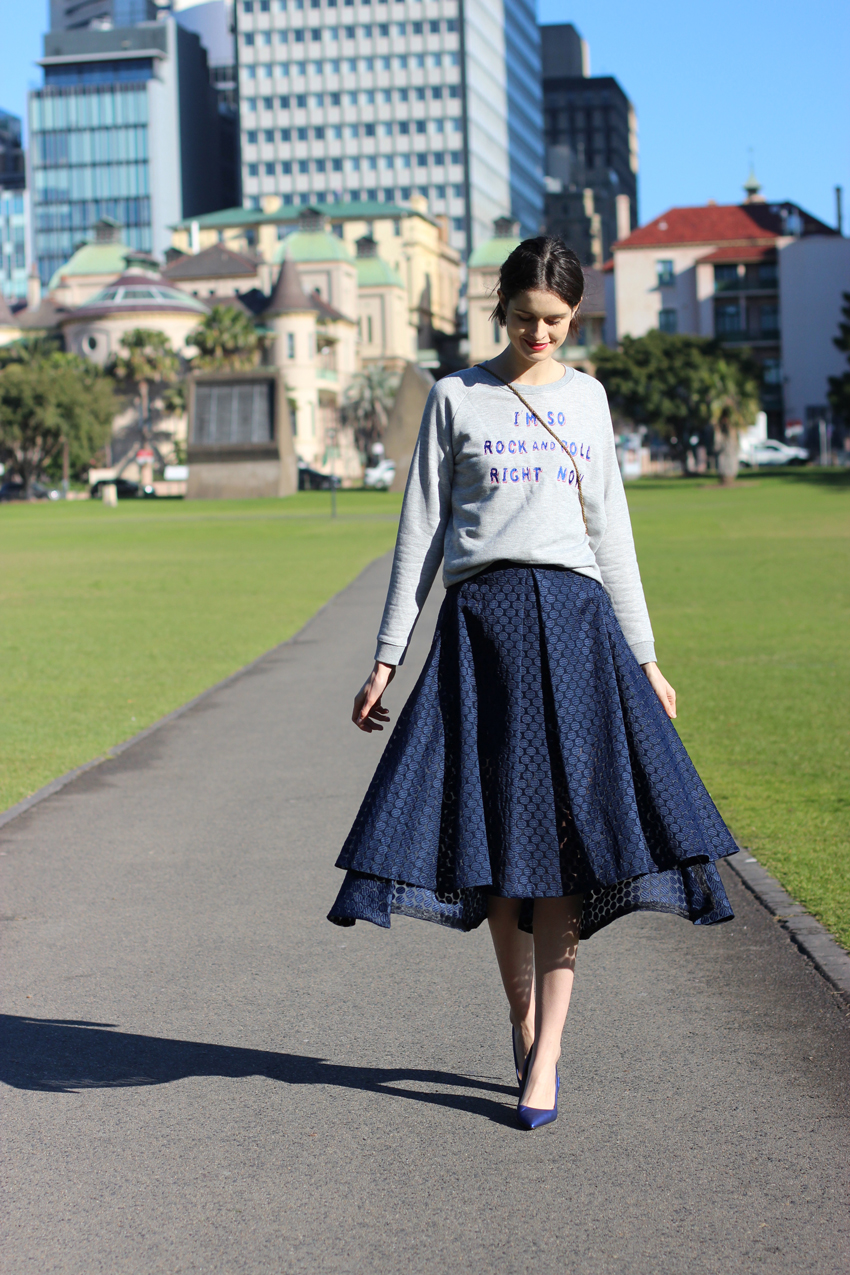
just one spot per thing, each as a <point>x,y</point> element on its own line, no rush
<point>126,126</point>
<point>382,100</point>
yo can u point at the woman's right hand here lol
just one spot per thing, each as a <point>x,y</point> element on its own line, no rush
<point>369,714</point>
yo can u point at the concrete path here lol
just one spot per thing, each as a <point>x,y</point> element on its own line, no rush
<point>202,1075</point>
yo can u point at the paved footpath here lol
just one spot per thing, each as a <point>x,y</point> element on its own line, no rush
<point>202,1075</point>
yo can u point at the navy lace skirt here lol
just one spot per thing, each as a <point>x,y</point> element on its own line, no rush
<point>533,760</point>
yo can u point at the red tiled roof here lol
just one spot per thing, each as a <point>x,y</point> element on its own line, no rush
<point>709,223</point>
<point>746,252</point>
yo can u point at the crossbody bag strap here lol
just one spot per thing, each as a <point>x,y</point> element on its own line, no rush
<point>549,430</point>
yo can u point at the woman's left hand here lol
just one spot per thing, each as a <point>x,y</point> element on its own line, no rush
<point>662,688</point>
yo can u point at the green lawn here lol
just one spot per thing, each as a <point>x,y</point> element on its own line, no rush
<point>749,592</point>
<point>111,618</point>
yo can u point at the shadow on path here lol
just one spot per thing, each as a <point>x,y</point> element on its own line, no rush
<point>68,1055</point>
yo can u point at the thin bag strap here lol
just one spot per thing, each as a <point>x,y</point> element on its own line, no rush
<point>556,437</point>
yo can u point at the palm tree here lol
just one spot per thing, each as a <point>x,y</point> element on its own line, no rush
<point>732,402</point>
<point>367,403</point>
<point>226,340</point>
<point>147,359</point>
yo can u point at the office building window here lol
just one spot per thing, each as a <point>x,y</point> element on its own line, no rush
<point>668,321</point>
<point>458,223</point>
<point>286,167</point>
<point>457,191</point>
<point>335,99</point>
<point>248,38</point>
<point>282,37</point>
<point>253,170</point>
<point>436,59</point>
<point>283,102</point>
<point>436,91</point>
<point>301,134</point>
<point>251,136</point>
<point>368,130</point>
<point>438,158</point>
<point>286,134</point>
<point>247,6</point>
<point>353,130</point>
<point>456,157</point>
<point>439,192</point>
<point>404,193</point>
<point>318,165</point>
<point>416,28</point>
<point>389,194</point>
<point>283,68</point>
<point>319,134</point>
<point>420,126</point>
<point>401,63</point>
<point>268,103</point>
<point>665,274</point>
<point>250,104</point>
<point>336,131</point>
<point>454,90</point>
<point>422,160</point>
<point>383,30</point>
<point>301,101</point>
<point>270,170</point>
<point>303,166</point>
<point>451,24</point>
<point>404,127</point>
<point>268,134</point>
<point>400,28</point>
<point>336,165</point>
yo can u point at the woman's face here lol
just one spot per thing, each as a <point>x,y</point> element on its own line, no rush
<point>537,323</point>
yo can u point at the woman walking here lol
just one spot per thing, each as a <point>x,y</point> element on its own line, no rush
<point>534,777</point>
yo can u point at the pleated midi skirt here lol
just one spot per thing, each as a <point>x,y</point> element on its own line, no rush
<point>533,760</point>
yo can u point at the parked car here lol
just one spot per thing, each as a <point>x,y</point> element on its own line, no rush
<point>13,489</point>
<point>314,480</point>
<point>772,452</point>
<point>125,489</point>
<point>380,477</point>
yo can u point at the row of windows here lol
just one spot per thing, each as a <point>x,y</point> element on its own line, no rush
<point>11,205</point>
<point>288,166</point>
<point>15,257</point>
<point>367,97</point>
<point>389,195</point>
<point>88,109</point>
<point>78,217</point>
<point>350,65</point>
<point>264,6</point>
<point>99,181</point>
<point>335,132</point>
<point>92,146</point>
<point>381,30</point>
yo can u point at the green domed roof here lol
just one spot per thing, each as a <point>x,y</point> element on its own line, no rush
<point>373,271</point>
<point>494,251</point>
<point>93,258</point>
<point>311,245</point>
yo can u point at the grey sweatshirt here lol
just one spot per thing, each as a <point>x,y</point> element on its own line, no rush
<point>488,483</point>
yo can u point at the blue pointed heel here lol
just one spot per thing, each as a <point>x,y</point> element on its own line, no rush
<point>536,1117</point>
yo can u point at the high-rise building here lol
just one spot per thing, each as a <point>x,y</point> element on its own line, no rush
<point>14,243</point>
<point>379,100</point>
<point>126,126</point>
<point>12,164</point>
<point>77,15</point>
<point>591,148</point>
<point>212,22</point>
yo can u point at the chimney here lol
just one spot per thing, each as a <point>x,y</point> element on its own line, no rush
<point>33,288</point>
<point>624,216</point>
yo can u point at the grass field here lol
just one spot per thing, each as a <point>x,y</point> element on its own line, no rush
<point>110,618</point>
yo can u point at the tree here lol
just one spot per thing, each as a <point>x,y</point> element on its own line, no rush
<point>146,359</point>
<point>226,340</point>
<point>48,400</point>
<point>367,404</point>
<point>733,404</point>
<point>839,386</point>
<point>670,383</point>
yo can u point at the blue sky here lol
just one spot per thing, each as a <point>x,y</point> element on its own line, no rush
<point>708,82</point>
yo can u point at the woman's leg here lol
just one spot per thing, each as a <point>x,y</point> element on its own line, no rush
<point>515,954</point>
<point>557,923</point>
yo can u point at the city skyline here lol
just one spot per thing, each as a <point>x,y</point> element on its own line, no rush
<point>797,151</point>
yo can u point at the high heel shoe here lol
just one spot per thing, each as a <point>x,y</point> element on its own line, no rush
<point>536,1117</point>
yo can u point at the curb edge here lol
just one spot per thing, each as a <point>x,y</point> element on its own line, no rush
<point>813,939</point>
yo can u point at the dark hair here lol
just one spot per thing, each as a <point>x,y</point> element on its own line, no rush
<point>543,264</point>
